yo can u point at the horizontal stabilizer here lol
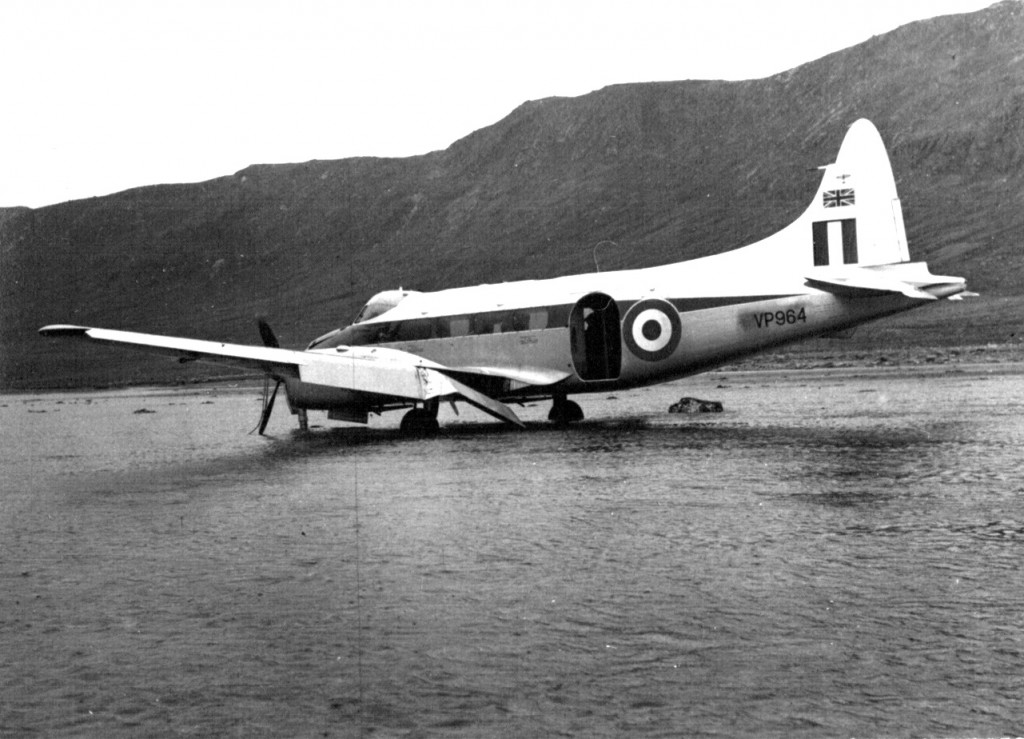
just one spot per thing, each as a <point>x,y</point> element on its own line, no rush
<point>910,278</point>
<point>856,286</point>
<point>907,278</point>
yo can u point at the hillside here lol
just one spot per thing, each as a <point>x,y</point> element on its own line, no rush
<point>666,171</point>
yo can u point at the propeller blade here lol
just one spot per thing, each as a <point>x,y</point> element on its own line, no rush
<point>267,334</point>
<point>264,418</point>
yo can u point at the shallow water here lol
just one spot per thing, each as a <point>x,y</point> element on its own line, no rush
<point>838,554</point>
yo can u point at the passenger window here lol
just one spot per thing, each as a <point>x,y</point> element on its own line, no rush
<point>414,331</point>
<point>459,326</point>
<point>483,323</point>
<point>538,319</point>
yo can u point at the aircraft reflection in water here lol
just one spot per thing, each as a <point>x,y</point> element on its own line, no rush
<point>843,262</point>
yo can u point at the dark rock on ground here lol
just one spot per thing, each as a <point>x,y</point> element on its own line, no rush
<point>695,405</point>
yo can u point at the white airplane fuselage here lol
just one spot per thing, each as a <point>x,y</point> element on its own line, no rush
<point>615,330</point>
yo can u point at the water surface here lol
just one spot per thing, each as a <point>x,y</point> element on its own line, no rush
<point>838,554</point>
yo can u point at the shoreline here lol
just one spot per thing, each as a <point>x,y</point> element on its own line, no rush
<point>896,357</point>
<point>925,360</point>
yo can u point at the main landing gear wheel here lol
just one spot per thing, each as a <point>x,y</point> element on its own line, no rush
<point>564,412</point>
<point>419,421</point>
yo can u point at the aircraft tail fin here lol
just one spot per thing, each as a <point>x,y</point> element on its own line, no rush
<point>856,217</point>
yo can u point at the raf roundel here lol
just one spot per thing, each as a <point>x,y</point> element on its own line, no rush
<point>652,330</point>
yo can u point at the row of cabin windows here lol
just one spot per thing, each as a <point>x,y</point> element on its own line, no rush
<point>444,327</point>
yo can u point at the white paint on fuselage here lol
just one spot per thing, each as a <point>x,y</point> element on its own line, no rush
<point>709,336</point>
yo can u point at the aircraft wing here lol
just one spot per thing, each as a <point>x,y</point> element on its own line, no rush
<point>277,362</point>
<point>374,371</point>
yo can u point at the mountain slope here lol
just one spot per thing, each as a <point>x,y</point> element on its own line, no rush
<point>638,174</point>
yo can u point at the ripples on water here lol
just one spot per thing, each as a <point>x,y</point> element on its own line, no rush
<point>835,555</point>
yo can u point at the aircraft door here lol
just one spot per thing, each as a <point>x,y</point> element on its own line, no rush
<point>595,337</point>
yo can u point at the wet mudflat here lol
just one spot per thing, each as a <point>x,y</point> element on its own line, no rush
<point>837,554</point>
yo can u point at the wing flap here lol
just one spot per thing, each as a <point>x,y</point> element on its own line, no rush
<point>525,376</point>
<point>486,403</point>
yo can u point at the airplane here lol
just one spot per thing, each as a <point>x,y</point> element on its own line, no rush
<point>843,262</point>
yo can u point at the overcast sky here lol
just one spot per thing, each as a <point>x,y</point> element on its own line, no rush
<point>98,96</point>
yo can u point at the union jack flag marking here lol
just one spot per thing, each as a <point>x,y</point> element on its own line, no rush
<point>838,198</point>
